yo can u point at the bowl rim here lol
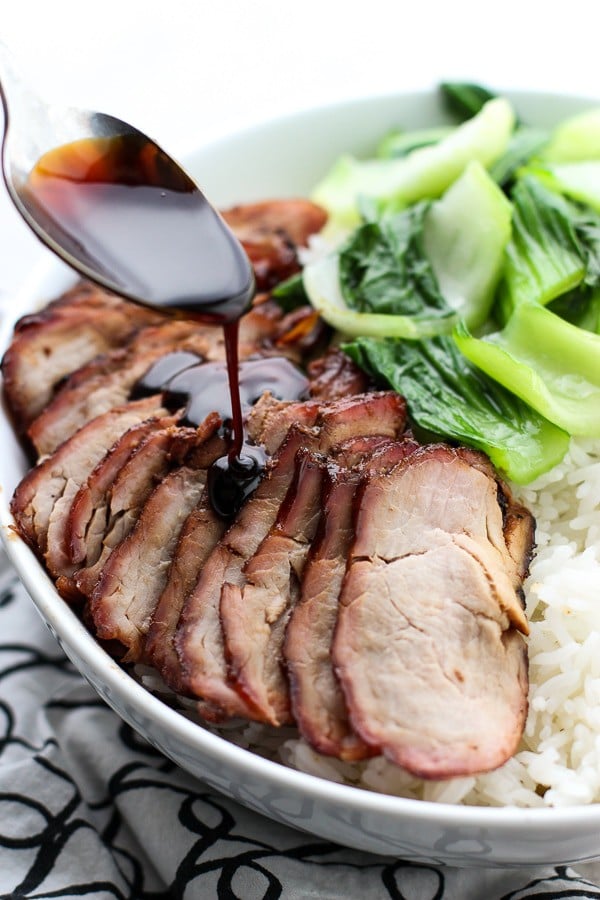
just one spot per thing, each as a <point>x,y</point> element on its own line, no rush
<point>60,618</point>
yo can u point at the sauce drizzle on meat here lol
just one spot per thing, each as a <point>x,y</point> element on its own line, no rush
<point>125,209</point>
<point>203,388</point>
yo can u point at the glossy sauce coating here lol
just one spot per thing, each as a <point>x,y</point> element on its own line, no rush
<point>126,211</point>
<point>124,208</point>
<point>203,388</point>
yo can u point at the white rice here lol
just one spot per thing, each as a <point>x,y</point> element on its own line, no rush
<point>558,762</point>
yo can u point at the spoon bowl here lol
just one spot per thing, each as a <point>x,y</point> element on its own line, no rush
<point>114,206</point>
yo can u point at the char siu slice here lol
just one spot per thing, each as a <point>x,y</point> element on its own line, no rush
<point>86,519</point>
<point>519,535</point>
<point>297,218</point>
<point>318,704</point>
<point>104,511</point>
<point>267,425</point>
<point>271,231</point>
<point>335,375</point>
<point>432,667</point>
<point>199,640</point>
<point>200,534</point>
<point>59,553</point>
<point>254,614</point>
<point>132,580</point>
<point>107,381</point>
<point>50,344</point>
<point>270,419</point>
<point>89,514</point>
<point>57,478</point>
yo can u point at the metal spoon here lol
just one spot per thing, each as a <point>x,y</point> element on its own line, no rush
<point>219,269</point>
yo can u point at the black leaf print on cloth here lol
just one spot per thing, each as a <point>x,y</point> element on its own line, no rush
<point>89,809</point>
<point>563,884</point>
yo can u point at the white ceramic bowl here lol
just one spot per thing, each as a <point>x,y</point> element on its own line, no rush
<point>284,158</point>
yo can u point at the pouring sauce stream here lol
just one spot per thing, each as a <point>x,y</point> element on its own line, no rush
<point>124,209</point>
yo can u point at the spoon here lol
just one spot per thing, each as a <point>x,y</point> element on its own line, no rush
<point>108,201</point>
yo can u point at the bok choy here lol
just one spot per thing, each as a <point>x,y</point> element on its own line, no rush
<point>552,365</point>
<point>470,281</point>
<point>414,273</point>
<point>424,173</point>
<point>448,396</point>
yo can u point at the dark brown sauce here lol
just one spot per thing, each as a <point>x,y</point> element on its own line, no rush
<point>124,209</point>
<point>204,387</point>
<point>163,371</point>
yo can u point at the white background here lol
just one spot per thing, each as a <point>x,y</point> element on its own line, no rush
<point>187,70</point>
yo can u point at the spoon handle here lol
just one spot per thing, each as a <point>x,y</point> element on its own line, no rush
<point>26,119</point>
<point>13,89</point>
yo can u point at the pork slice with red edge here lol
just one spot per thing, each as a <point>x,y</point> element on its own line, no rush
<point>89,514</point>
<point>59,549</point>
<point>50,344</point>
<point>267,425</point>
<point>199,640</point>
<point>318,703</point>
<point>130,584</point>
<point>255,612</point>
<point>199,535</point>
<point>427,648</point>
<point>335,375</point>
<point>107,381</point>
<point>105,509</point>
<point>58,477</point>
<point>271,232</point>
<point>86,521</point>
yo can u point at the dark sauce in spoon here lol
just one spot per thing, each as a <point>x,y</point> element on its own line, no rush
<point>126,210</point>
<point>129,215</point>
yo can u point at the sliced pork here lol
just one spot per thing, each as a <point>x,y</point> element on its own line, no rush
<point>106,382</point>
<point>89,514</point>
<point>200,534</point>
<point>199,641</point>
<point>270,420</point>
<point>86,520</point>
<point>104,512</point>
<point>335,375</point>
<point>271,231</point>
<point>254,613</point>
<point>50,344</point>
<point>296,218</point>
<point>56,479</point>
<point>108,379</point>
<point>426,647</point>
<point>267,425</point>
<point>318,703</point>
<point>123,600</point>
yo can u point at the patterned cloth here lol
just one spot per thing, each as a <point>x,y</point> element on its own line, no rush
<point>89,809</point>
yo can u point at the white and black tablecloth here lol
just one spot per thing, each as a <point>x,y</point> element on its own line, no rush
<point>89,809</point>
